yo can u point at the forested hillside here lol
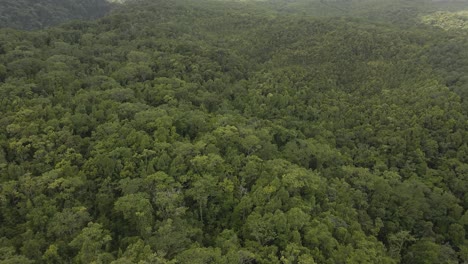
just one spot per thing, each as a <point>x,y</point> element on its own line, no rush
<point>37,14</point>
<point>235,132</point>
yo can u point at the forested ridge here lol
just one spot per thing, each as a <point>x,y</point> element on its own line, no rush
<point>38,14</point>
<point>236,132</point>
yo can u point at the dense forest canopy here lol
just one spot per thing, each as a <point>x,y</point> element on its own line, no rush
<point>37,14</point>
<point>237,132</point>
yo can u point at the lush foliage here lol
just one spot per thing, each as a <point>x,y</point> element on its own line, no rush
<point>208,132</point>
<point>448,20</point>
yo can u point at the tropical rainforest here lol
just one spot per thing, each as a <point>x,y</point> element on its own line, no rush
<point>236,132</point>
<point>38,14</point>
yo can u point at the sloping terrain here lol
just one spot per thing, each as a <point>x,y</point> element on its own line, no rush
<point>210,132</point>
<point>33,14</point>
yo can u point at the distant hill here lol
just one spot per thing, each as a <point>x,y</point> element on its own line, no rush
<point>37,14</point>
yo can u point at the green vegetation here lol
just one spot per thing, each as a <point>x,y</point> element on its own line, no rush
<point>34,14</point>
<point>448,20</point>
<point>235,132</point>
